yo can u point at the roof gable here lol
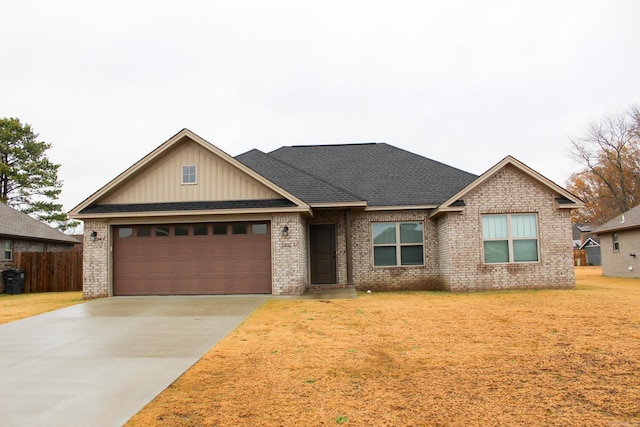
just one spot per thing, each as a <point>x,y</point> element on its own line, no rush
<point>157,179</point>
<point>14,223</point>
<point>564,199</point>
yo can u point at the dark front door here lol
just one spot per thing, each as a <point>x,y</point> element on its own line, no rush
<point>322,240</point>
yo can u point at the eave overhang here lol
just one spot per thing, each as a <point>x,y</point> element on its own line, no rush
<point>401,208</point>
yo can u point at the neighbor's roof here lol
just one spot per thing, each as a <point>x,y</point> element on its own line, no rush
<point>378,173</point>
<point>16,224</point>
<point>629,219</point>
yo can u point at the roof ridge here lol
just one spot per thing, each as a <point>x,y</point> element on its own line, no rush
<point>356,196</point>
<point>332,145</point>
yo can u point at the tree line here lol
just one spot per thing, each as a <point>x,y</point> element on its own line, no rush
<point>609,155</point>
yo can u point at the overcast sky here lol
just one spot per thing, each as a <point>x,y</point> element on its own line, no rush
<point>462,82</point>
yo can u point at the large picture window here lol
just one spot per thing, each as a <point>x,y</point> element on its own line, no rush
<point>510,238</point>
<point>398,244</point>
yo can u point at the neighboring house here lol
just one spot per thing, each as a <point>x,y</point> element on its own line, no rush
<point>190,219</point>
<point>620,244</point>
<point>21,233</point>
<point>586,245</point>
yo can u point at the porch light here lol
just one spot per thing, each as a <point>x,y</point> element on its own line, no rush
<point>285,230</point>
<point>94,235</point>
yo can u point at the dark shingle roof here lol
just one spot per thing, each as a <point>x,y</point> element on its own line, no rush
<point>188,206</point>
<point>14,223</point>
<point>309,188</point>
<point>629,219</point>
<point>379,173</point>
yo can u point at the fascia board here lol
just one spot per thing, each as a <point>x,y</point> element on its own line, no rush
<point>192,213</point>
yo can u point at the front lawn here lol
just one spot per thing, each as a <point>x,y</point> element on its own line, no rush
<point>546,357</point>
<point>19,306</point>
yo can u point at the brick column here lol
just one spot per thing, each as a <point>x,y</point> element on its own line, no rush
<point>96,260</point>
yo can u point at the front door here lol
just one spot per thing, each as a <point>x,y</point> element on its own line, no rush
<point>322,239</point>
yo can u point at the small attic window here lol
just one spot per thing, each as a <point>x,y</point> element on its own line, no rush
<point>189,174</point>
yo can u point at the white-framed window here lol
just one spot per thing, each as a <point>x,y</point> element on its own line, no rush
<point>616,242</point>
<point>8,249</point>
<point>190,174</point>
<point>510,238</point>
<point>398,244</point>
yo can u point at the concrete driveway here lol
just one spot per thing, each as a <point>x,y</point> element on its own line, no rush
<point>99,363</point>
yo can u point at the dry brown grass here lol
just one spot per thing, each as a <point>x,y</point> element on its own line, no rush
<point>545,357</point>
<point>19,306</point>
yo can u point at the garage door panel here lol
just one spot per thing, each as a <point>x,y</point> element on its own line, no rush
<point>191,265</point>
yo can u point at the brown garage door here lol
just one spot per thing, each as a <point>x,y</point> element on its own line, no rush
<point>192,259</point>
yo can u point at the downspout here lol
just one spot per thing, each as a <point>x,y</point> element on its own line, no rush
<point>347,230</point>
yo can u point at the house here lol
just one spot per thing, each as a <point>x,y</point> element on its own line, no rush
<point>21,233</point>
<point>586,245</point>
<point>620,244</point>
<point>190,219</point>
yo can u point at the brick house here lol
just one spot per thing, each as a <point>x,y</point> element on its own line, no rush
<point>620,244</point>
<point>190,219</point>
<point>21,233</point>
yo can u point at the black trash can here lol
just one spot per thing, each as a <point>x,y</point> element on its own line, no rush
<point>13,281</point>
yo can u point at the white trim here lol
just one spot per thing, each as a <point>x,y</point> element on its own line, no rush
<point>195,175</point>
<point>191,213</point>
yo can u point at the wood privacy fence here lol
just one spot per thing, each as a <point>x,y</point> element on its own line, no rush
<point>579,257</point>
<point>50,271</point>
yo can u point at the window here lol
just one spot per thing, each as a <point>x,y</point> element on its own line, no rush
<point>258,228</point>
<point>200,230</point>
<point>162,231</point>
<point>189,174</point>
<point>398,243</point>
<point>181,230</point>
<point>8,249</point>
<point>239,229</point>
<point>219,229</point>
<point>125,232</point>
<point>616,242</point>
<point>510,238</point>
<point>143,231</point>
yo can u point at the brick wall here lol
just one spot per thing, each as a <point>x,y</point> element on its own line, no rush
<point>508,191</point>
<point>96,260</point>
<point>289,254</point>
<point>618,263</point>
<point>366,276</point>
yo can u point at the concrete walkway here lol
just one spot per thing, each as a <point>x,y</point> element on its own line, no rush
<point>99,363</point>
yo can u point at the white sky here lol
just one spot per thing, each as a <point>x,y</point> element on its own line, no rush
<point>461,82</point>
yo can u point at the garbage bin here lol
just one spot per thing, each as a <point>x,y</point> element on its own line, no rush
<point>13,281</point>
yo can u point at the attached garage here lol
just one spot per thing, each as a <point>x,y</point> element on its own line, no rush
<point>192,259</point>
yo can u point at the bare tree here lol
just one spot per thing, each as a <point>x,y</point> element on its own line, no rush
<point>609,153</point>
